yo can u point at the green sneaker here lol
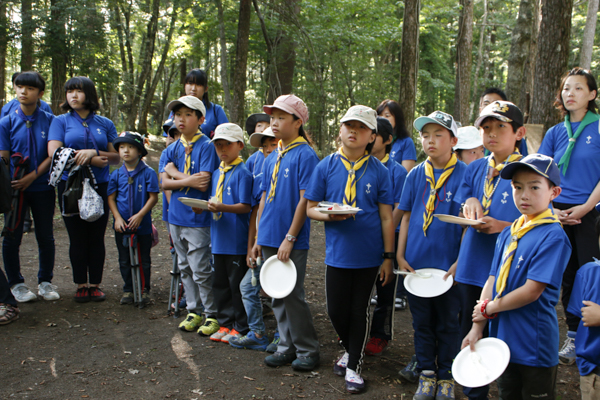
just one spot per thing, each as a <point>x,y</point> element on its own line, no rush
<point>191,322</point>
<point>210,326</point>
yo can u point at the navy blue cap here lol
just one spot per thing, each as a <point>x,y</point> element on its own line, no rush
<point>255,119</point>
<point>133,138</point>
<point>169,127</point>
<point>539,163</point>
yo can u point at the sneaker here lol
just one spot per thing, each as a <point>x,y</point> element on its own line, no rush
<point>445,389</point>
<point>96,294</point>
<point>191,323</point>
<point>374,300</point>
<point>22,293</point>
<point>410,373</point>
<point>232,334</point>
<point>82,295</point>
<point>306,363</point>
<point>220,334</point>
<point>272,347</point>
<point>339,368</point>
<point>426,389</point>
<point>400,303</point>
<point>375,346</point>
<point>278,359</point>
<point>250,341</point>
<point>48,291</point>
<point>354,382</point>
<point>210,326</point>
<point>8,313</point>
<point>146,299</point>
<point>566,355</point>
<point>127,298</point>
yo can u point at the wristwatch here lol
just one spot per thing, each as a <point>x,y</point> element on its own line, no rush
<point>291,238</point>
<point>389,256</point>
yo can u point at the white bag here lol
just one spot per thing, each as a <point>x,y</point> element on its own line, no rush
<point>91,205</point>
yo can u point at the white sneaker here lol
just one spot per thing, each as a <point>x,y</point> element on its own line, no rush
<point>48,291</point>
<point>22,293</point>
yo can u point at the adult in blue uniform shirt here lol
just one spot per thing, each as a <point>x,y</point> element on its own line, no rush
<point>196,84</point>
<point>12,105</point>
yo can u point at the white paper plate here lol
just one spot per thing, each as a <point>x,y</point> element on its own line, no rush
<point>325,210</point>
<point>494,356</point>
<point>197,203</point>
<point>451,219</point>
<point>428,287</point>
<point>278,278</point>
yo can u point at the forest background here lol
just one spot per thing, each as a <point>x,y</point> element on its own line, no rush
<point>427,54</point>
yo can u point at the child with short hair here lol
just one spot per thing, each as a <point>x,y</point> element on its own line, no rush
<point>256,123</point>
<point>426,242</point>
<point>353,259</point>
<point>173,135</point>
<point>132,193</point>
<point>284,230</point>
<point>25,131</point>
<point>523,286</point>
<point>191,161</point>
<point>469,146</point>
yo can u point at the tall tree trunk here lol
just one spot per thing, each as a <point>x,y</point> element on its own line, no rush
<point>475,102</point>
<point>57,44</point>
<point>587,45</point>
<point>27,31</point>
<point>224,71</point>
<point>529,72</point>
<point>552,59</point>
<point>519,53</point>
<point>464,48</point>
<point>3,47</point>
<point>241,62</point>
<point>409,60</point>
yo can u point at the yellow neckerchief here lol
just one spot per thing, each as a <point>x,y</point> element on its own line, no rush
<point>280,153</point>
<point>517,230</point>
<point>385,159</point>
<point>350,191</point>
<point>188,150</point>
<point>434,187</point>
<point>488,187</point>
<point>261,150</point>
<point>223,169</point>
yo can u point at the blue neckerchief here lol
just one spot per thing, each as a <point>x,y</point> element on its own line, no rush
<point>130,179</point>
<point>31,145</point>
<point>88,133</point>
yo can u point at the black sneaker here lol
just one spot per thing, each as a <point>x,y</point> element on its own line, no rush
<point>96,294</point>
<point>279,359</point>
<point>306,363</point>
<point>82,295</point>
<point>410,373</point>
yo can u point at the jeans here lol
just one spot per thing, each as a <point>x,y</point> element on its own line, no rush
<point>252,303</point>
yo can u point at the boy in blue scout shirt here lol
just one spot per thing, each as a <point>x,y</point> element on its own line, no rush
<point>12,105</point>
<point>486,197</point>
<point>132,193</point>
<point>231,205</point>
<point>522,290</point>
<point>426,242</point>
<point>190,163</point>
<point>256,124</point>
<point>25,131</point>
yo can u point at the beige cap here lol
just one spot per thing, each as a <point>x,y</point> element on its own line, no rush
<point>230,132</point>
<point>468,138</point>
<point>191,102</point>
<point>256,138</point>
<point>364,114</point>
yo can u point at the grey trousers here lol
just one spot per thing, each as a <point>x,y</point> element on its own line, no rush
<point>294,320</point>
<point>193,255</point>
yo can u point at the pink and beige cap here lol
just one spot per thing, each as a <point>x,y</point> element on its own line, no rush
<point>364,114</point>
<point>290,104</point>
<point>230,132</point>
<point>256,137</point>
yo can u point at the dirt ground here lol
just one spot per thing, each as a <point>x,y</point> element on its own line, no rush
<point>66,350</point>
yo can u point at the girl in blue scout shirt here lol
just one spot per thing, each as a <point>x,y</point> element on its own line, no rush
<point>91,135</point>
<point>353,259</point>
<point>132,193</point>
<point>403,148</point>
<point>520,295</point>
<point>284,230</point>
<point>256,123</point>
<point>426,242</point>
<point>575,145</point>
<point>25,131</point>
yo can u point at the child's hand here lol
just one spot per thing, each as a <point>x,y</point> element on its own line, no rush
<point>256,251</point>
<point>387,272</point>
<point>571,216</point>
<point>590,313</point>
<point>451,272</point>
<point>99,161</point>
<point>120,225</point>
<point>198,181</point>
<point>24,182</point>
<point>339,217</point>
<point>403,264</point>
<point>84,157</point>
<point>477,316</point>
<point>214,206</point>
<point>492,225</point>
<point>472,337</point>
<point>284,251</point>
<point>472,209</point>
<point>135,221</point>
<point>197,210</point>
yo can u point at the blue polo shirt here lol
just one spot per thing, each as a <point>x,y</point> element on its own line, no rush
<point>403,149</point>
<point>397,176</point>
<point>204,159</point>
<point>12,105</point>
<point>295,170</point>
<point>587,342</point>
<point>255,162</point>
<point>161,169</point>
<point>531,331</point>
<point>229,234</point>
<point>144,182</point>
<point>439,249</point>
<point>583,173</point>
<point>14,137</point>
<point>66,129</point>
<point>477,249</point>
<point>346,244</point>
<point>214,117</point>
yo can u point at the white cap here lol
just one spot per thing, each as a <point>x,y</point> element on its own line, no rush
<point>468,138</point>
<point>230,132</point>
<point>191,102</point>
<point>364,114</point>
<point>256,138</point>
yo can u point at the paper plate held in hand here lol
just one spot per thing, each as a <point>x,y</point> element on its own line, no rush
<point>330,210</point>
<point>433,286</point>
<point>484,365</point>
<point>197,203</point>
<point>451,219</point>
<point>278,278</point>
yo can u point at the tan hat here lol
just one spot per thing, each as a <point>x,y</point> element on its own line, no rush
<point>290,104</point>
<point>256,138</point>
<point>364,114</point>
<point>191,102</point>
<point>230,132</point>
<point>468,138</point>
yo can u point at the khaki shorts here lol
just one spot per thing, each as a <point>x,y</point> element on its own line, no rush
<point>590,387</point>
